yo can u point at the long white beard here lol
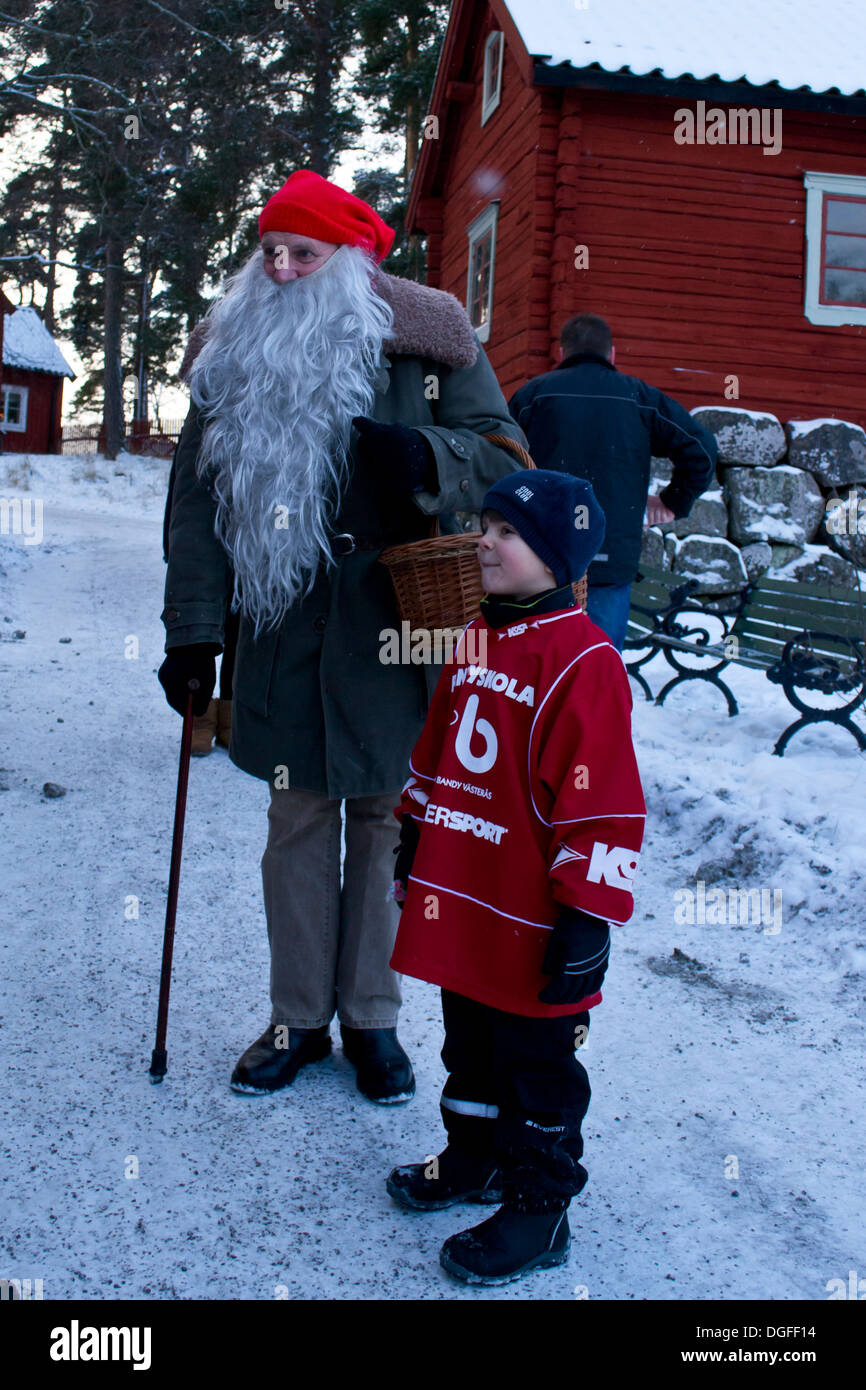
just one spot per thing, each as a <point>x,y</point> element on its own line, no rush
<point>283,370</point>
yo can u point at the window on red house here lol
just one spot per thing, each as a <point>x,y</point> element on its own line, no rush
<point>843,250</point>
<point>14,412</point>
<point>492,80</point>
<point>479,281</point>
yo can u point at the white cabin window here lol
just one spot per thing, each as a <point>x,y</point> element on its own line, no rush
<point>494,50</point>
<point>15,408</point>
<point>835,248</point>
<point>482,261</point>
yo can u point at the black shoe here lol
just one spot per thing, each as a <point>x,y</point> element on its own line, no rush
<point>457,1177</point>
<point>265,1067</point>
<point>384,1071</point>
<point>505,1246</point>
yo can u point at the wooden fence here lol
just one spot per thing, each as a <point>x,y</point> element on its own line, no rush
<point>155,437</point>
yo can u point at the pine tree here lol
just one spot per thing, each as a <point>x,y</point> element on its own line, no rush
<point>165,127</point>
<point>401,41</point>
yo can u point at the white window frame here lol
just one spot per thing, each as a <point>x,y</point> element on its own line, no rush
<point>487,221</point>
<point>490,103</point>
<point>24,392</point>
<point>816,186</point>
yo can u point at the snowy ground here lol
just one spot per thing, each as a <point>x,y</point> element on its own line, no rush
<point>725,1135</point>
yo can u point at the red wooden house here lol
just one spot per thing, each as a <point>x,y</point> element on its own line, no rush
<point>31,382</point>
<point>695,173</point>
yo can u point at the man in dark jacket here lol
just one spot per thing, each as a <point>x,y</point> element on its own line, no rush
<point>588,419</point>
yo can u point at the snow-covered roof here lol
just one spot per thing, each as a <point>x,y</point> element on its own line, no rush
<point>28,344</point>
<point>791,42</point>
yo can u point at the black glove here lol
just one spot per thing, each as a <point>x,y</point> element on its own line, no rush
<point>399,458</point>
<point>405,852</point>
<point>186,663</point>
<point>576,957</point>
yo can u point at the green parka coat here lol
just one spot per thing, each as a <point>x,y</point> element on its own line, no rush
<point>314,707</point>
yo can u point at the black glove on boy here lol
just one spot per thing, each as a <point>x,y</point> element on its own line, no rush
<point>576,957</point>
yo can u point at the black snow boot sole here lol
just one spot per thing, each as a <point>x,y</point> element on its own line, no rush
<point>466,1276</point>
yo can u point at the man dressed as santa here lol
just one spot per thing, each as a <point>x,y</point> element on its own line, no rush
<point>335,411</point>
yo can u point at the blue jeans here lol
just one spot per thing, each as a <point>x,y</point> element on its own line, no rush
<point>607,606</point>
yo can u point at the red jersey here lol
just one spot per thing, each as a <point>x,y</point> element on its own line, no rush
<point>526,792</point>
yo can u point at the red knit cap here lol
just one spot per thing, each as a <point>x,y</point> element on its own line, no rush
<point>308,203</point>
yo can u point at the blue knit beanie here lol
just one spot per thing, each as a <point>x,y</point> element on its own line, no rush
<point>555,513</point>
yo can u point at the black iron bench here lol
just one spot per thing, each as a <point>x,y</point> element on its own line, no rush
<point>808,638</point>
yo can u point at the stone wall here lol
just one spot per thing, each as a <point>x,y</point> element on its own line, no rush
<point>789,501</point>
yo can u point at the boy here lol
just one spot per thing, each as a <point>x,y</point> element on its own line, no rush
<point>521,826</point>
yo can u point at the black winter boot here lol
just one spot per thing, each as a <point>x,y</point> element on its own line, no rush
<point>507,1245</point>
<point>265,1067</point>
<point>384,1071</point>
<point>458,1176</point>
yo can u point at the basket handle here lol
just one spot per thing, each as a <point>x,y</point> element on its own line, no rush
<point>512,444</point>
<point>505,443</point>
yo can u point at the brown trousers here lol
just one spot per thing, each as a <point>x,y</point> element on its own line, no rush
<point>331,942</point>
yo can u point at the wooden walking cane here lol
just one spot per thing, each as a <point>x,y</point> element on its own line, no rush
<point>159,1060</point>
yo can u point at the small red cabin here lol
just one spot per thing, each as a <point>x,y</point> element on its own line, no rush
<point>31,382</point>
<point>694,173</point>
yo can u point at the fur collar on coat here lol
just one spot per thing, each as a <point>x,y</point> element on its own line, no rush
<point>427,323</point>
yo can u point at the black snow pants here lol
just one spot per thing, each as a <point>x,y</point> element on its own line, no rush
<point>516,1091</point>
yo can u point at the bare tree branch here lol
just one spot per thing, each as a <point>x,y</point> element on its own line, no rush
<point>28,24</point>
<point>41,105</point>
<point>43,260</point>
<point>77,77</point>
<point>179,20</point>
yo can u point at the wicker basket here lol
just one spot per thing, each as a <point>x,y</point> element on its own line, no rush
<point>438,581</point>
